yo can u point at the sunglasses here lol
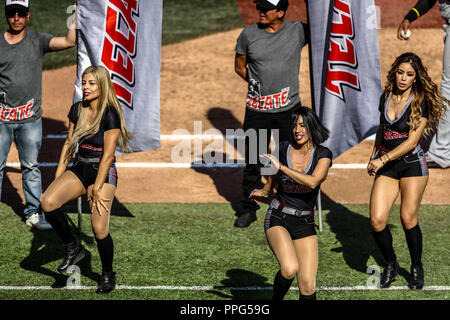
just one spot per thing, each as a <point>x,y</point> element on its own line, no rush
<point>263,9</point>
<point>12,13</point>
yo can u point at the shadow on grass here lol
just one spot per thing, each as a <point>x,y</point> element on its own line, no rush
<point>46,247</point>
<point>354,232</point>
<point>117,209</point>
<point>226,180</point>
<point>243,278</point>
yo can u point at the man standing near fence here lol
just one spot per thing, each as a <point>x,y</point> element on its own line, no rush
<point>268,58</point>
<point>21,53</point>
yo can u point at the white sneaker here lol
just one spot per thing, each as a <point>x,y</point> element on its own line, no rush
<point>38,221</point>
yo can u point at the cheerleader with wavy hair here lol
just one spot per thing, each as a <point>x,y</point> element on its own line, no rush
<point>411,107</point>
<point>96,125</point>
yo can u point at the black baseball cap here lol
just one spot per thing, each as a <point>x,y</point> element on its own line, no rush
<point>22,7</point>
<point>273,4</point>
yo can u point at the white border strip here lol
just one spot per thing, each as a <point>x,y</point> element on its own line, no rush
<point>205,288</point>
<point>186,165</point>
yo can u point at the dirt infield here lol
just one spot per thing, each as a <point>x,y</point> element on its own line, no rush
<point>198,83</point>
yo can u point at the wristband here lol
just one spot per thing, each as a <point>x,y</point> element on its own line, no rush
<point>412,15</point>
<point>263,193</point>
<point>382,161</point>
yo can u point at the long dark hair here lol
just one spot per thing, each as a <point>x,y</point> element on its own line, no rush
<point>423,88</point>
<point>318,132</point>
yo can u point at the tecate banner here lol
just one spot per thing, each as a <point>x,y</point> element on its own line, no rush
<point>125,37</point>
<point>345,69</point>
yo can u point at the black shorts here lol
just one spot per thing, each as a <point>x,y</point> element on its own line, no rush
<point>87,173</point>
<point>298,227</point>
<point>409,166</point>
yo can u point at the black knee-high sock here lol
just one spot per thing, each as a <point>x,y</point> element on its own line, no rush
<point>106,250</point>
<point>384,243</point>
<point>281,286</point>
<point>59,222</point>
<point>414,241</point>
<point>311,297</point>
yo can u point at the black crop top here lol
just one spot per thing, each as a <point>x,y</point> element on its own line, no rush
<point>289,192</point>
<point>396,131</point>
<point>92,146</point>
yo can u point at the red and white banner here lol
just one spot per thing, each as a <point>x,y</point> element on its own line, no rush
<point>125,37</point>
<point>345,69</point>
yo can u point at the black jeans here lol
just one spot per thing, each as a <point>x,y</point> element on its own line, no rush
<point>252,174</point>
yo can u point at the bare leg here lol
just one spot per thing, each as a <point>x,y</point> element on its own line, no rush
<point>100,220</point>
<point>282,246</point>
<point>384,192</point>
<point>65,188</point>
<point>412,189</point>
<point>308,259</point>
<point>100,226</point>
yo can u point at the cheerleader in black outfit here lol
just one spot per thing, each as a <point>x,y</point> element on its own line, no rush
<point>411,107</point>
<point>289,224</point>
<point>96,125</point>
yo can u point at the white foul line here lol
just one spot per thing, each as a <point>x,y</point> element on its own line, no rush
<point>205,288</point>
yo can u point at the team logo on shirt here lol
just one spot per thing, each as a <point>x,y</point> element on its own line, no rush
<point>392,135</point>
<point>119,46</point>
<point>290,186</point>
<point>90,147</point>
<point>342,58</point>
<point>269,102</point>
<point>15,113</point>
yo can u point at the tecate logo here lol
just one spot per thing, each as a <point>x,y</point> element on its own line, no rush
<point>342,58</point>
<point>119,46</point>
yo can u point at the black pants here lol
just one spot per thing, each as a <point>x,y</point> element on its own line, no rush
<point>252,174</point>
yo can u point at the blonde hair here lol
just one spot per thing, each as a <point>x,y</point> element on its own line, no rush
<point>107,98</point>
<point>423,88</point>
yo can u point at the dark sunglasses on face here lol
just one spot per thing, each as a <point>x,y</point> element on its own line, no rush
<point>262,9</point>
<point>12,13</point>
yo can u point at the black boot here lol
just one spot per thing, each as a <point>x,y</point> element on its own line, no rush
<point>389,274</point>
<point>74,252</point>
<point>244,220</point>
<point>107,282</point>
<point>417,277</point>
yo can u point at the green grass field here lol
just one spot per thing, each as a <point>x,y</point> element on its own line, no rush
<point>182,20</point>
<point>196,245</point>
